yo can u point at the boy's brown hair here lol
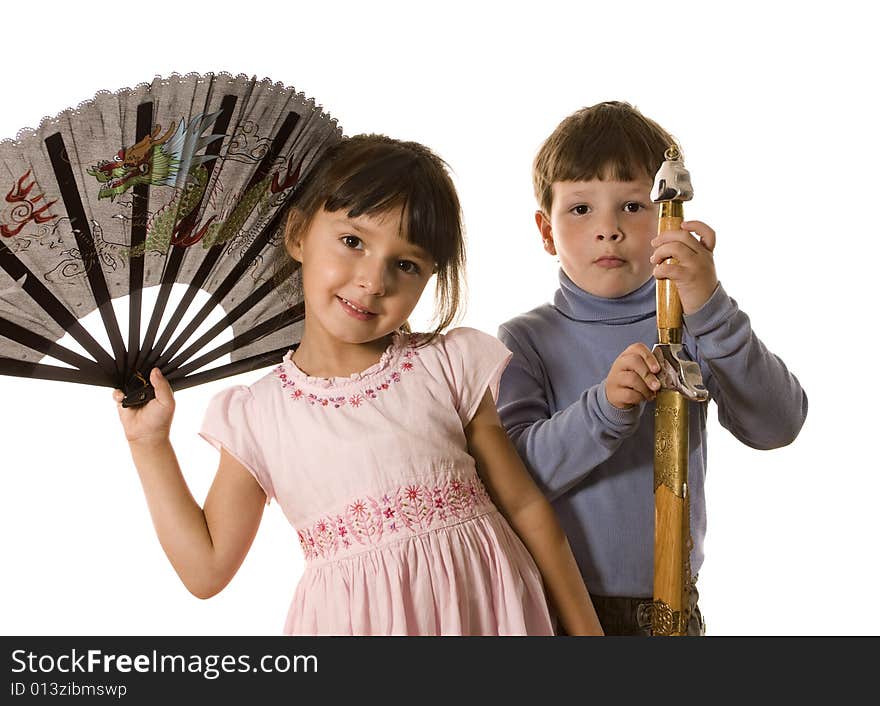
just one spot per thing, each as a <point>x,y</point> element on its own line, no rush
<point>610,140</point>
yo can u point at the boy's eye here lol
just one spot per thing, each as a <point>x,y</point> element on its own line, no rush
<point>408,267</point>
<point>581,209</point>
<point>633,206</point>
<point>351,241</point>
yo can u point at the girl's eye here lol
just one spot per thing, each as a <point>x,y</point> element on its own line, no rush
<point>408,267</point>
<point>351,241</point>
<point>633,207</point>
<point>581,209</point>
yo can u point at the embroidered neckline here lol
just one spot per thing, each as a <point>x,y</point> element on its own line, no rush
<point>356,389</point>
<point>398,340</point>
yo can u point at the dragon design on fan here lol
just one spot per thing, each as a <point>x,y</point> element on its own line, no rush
<point>174,160</point>
<point>169,160</point>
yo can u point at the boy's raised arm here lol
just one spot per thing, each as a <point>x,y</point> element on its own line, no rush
<point>759,401</point>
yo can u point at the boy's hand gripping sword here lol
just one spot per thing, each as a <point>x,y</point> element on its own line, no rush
<point>680,381</point>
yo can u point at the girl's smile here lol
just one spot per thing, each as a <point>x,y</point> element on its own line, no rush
<point>357,312</point>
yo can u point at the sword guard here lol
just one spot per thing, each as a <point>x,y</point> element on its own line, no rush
<point>679,373</point>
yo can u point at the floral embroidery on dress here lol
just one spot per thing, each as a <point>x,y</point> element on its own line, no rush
<point>409,510</point>
<point>356,399</point>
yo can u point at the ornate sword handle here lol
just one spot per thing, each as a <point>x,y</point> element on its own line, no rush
<point>672,186</point>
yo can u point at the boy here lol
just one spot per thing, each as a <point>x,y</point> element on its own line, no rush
<point>577,397</point>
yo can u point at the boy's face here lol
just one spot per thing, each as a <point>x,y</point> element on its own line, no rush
<point>602,232</point>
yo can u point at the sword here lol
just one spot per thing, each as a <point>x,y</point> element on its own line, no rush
<point>680,382</point>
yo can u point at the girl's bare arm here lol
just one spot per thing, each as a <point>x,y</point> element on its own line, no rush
<point>532,518</point>
<point>204,545</point>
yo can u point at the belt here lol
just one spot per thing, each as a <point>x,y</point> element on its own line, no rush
<point>633,615</point>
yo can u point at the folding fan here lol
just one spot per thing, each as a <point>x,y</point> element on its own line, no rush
<point>184,181</point>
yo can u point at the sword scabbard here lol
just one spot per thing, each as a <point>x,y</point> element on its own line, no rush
<point>671,521</point>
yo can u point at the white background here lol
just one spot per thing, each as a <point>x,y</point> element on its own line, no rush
<point>775,105</point>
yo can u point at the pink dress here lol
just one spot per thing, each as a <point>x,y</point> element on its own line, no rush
<point>398,533</point>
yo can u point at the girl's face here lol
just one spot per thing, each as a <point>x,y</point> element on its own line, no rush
<point>361,279</point>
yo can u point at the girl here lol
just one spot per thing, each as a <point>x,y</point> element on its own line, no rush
<point>382,447</point>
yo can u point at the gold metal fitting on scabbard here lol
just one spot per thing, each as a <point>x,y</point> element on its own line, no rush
<point>665,621</point>
<point>671,441</point>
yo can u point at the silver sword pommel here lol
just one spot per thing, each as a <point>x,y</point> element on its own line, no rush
<point>672,181</point>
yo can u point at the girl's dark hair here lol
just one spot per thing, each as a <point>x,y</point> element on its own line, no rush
<point>610,140</point>
<point>373,174</point>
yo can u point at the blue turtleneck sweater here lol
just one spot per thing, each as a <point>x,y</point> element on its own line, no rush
<point>594,461</point>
